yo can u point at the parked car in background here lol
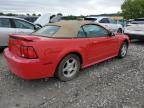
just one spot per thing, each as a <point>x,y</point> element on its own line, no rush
<point>62,49</point>
<point>43,20</point>
<point>13,25</point>
<point>56,18</point>
<point>109,23</point>
<point>123,22</point>
<point>135,29</point>
<point>31,19</point>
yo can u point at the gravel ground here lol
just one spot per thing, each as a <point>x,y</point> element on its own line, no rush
<point>116,83</point>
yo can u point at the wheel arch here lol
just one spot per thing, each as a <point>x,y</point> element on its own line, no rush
<point>72,52</point>
<point>68,53</point>
<point>126,42</point>
<point>78,54</point>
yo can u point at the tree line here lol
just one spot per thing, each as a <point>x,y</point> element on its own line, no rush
<point>132,9</point>
<point>12,14</point>
<point>67,17</point>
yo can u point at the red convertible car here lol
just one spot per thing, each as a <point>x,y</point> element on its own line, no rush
<point>62,49</point>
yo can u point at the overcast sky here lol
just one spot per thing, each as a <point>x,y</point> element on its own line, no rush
<point>67,7</point>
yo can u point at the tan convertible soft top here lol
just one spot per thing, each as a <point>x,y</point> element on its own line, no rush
<point>69,28</point>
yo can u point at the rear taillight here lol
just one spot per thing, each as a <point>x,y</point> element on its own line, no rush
<point>28,52</point>
<point>16,46</point>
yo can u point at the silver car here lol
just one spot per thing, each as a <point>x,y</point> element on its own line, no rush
<point>13,25</point>
<point>109,23</point>
<point>135,29</point>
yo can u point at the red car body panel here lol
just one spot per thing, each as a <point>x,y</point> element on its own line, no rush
<point>26,68</point>
<point>51,51</point>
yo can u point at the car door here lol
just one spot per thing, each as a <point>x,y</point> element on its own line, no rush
<point>5,30</point>
<point>23,27</point>
<point>101,45</point>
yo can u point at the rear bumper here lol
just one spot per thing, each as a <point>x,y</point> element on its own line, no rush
<point>27,69</point>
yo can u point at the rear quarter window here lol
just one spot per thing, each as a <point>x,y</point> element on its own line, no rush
<point>104,20</point>
<point>47,31</point>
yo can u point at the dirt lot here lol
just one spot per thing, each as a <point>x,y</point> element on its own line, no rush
<point>115,83</point>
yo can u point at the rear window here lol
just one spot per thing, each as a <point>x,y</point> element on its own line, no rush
<point>47,31</point>
<point>104,20</point>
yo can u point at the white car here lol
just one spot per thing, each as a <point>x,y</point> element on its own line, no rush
<point>14,25</point>
<point>43,20</point>
<point>109,23</point>
<point>135,29</point>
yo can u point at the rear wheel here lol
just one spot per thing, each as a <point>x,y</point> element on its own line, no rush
<point>123,50</point>
<point>68,68</point>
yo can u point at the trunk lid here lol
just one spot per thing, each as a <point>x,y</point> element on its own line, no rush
<point>16,42</point>
<point>24,37</point>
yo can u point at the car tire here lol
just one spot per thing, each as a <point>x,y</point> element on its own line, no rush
<point>120,31</point>
<point>68,68</point>
<point>123,50</point>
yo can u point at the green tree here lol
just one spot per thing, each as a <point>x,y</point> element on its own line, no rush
<point>133,9</point>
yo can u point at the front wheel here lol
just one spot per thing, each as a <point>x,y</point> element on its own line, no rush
<point>123,50</point>
<point>68,68</point>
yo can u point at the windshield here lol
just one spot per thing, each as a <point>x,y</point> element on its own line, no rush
<point>47,31</point>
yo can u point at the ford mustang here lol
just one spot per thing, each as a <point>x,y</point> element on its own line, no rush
<point>62,49</point>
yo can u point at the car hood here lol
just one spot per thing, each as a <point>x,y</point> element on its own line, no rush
<point>43,20</point>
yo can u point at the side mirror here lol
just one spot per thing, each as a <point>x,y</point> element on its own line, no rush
<point>37,26</point>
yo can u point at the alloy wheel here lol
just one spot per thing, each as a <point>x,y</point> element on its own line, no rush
<point>124,50</point>
<point>70,67</point>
